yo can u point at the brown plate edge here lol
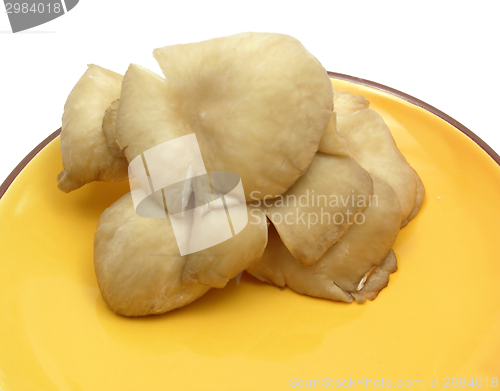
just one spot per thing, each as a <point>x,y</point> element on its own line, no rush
<point>417,102</point>
<point>5,185</point>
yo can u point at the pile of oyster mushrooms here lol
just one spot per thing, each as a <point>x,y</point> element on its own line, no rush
<point>325,188</point>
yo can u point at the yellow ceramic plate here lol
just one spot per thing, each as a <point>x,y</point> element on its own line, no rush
<point>439,317</point>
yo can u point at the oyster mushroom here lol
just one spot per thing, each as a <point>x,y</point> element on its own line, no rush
<point>139,268</point>
<point>355,268</point>
<point>347,103</point>
<point>370,142</point>
<point>85,154</point>
<point>258,104</point>
<point>321,206</point>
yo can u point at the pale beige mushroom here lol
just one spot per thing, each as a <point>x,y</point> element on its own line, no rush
<point>331,142</point>
<point>258,104</point>
<point>321,206</point>
<point>346,103</point>
<point>370,142</point>
<point>357,267</point>
<point>139,268</point>
<point>85,154</point>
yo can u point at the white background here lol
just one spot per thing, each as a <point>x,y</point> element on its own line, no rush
<point>444,53</point>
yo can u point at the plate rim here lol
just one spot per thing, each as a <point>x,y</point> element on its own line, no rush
<point>417,102</point>
<point>340,76</point>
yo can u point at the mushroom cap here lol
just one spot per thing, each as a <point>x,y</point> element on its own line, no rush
<point>371,143</point>
<point>320,207</point>
<point>140,270</point>
<point>85,154</point>
<point>348,265</point>
<point>258,103</point>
